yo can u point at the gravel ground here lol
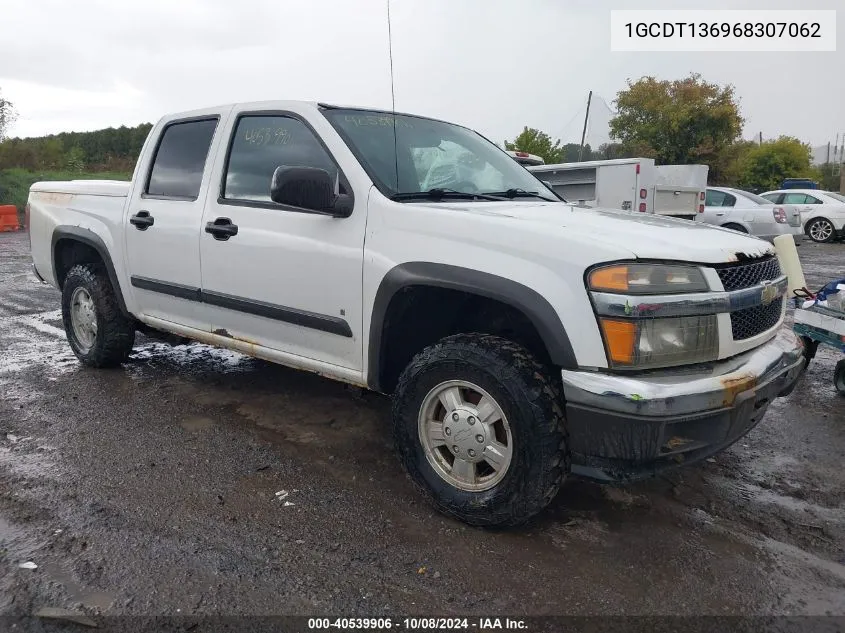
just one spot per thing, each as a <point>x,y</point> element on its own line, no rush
<point>194,480</point>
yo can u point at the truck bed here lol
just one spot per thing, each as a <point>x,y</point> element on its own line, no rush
<point>111,188</point>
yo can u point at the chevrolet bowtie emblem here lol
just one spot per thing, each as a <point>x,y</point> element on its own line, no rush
<point>769,293</point>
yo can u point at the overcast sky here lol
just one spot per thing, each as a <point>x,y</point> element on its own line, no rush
<point>495,65</point>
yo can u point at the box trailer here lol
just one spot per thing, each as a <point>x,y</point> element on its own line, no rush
<point>631,184</point>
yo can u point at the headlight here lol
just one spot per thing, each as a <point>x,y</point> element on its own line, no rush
<point>650,343</point>
<point>647,279</point>
<point>647,343</point>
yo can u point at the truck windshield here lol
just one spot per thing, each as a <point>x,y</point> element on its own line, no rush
<point>428,155</point>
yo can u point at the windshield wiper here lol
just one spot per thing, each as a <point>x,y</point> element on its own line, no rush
<point>440,193</point>
<point>518,193</point>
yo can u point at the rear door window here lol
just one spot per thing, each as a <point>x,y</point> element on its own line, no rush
<point>716,198</point>
<point>180,160</point>
<point>795,198</point>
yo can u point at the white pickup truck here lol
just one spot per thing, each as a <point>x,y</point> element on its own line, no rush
<point>522,338</point>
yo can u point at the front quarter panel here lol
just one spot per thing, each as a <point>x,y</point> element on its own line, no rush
<point>542,260</point>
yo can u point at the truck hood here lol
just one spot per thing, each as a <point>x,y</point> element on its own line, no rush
<point>646,236</point>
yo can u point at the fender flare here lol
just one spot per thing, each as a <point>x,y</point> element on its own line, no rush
<point>89,238</point>
<point>528,301</point>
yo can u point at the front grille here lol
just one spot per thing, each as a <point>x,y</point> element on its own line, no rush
<point>752,321</point>
<point>739,276</point>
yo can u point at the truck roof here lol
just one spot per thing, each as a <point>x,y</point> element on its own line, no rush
<point>288,104</point>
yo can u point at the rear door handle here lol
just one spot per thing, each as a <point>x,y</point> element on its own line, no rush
<point>142,220</point>
<point>221,229</point>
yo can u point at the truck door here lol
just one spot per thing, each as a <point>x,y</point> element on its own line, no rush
<point>163,222</point>
<point>284,278</point>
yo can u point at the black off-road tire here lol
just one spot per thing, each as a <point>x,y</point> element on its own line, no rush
<point>531,400</point>
<point>115,332</point>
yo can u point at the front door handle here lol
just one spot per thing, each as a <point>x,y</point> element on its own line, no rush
<point>142,220</point>
<point>221,229</point>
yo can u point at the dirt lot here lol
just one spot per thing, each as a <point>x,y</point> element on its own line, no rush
<point>152,489</point>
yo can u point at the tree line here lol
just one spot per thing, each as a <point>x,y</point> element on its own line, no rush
<point>689,121</point>
<point>111,149</point>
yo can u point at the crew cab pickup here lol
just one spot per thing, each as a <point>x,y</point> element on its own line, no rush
<point>521,338</point>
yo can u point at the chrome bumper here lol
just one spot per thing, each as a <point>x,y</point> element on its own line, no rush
<point>680,391</point>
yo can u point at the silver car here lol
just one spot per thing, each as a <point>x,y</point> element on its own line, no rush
<point>749,213</point>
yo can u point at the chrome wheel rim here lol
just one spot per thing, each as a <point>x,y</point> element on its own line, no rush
<point>83,318</point>
<point>465,435</point>
<point>821,231</point>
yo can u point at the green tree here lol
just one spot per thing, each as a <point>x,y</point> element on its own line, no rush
<point>611,151</point>
<point>75,160</point>
<point>572,151</point>
<point>728,168</point>
<point>676,122</point>
<point>7,116</point>
<point>534,141</point>
<point>766,165</point>
<point>828,176</point>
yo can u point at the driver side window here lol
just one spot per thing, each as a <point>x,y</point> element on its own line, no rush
<point>260,144</point>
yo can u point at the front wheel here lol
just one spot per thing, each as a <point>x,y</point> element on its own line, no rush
<point>479,426</point>
<point>98,332</point>
<point>821,230</point>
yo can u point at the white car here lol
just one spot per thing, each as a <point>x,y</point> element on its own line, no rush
<point>749,213</point>
<point>822,212</point>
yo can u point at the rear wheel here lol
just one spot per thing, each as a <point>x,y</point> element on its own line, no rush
<point>821,230</point>
<point>479,427</point>
<point>735,227</point>
<point>98,332</point>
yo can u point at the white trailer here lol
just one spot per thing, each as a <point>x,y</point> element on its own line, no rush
<point>631,184</point>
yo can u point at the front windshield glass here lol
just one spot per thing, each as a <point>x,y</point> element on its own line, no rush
<point>429,154</point>
<point>836,196</point>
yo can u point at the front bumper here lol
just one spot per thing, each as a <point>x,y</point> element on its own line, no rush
<point>629,427</point>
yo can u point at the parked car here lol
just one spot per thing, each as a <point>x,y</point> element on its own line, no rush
<point>749,213</point>
<point>822,212</point>
<point>512,329</point>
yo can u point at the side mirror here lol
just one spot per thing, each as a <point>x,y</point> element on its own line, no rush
<point>309,188</point>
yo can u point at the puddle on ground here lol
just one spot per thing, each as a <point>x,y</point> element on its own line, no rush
<point>195,423</point>
<point>26,464</point>
<point>770,497</point>
<point>199,355</point>
<point>99,600</point>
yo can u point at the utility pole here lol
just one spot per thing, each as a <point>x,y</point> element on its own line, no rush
<point>841,165</point>
<point>584,132</point>
<point>828,153</point>
<point>761,138</point>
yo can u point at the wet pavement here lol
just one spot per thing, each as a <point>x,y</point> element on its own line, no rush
<point>194,480</point>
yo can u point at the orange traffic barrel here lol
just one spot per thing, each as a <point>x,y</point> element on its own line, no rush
<point>9,218</point>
